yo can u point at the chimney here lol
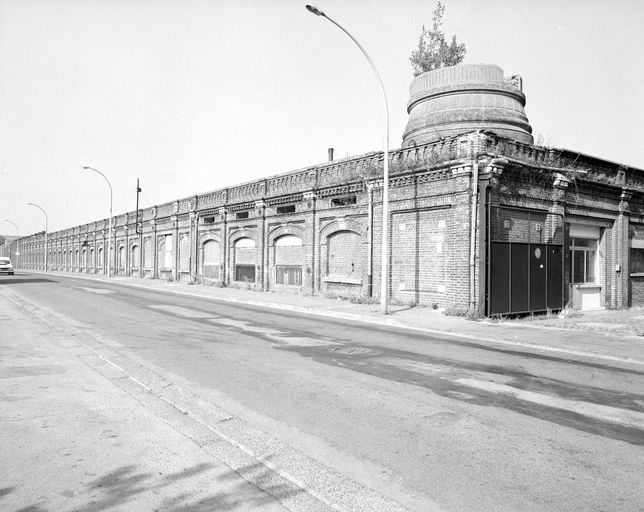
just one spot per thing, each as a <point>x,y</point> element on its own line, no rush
<point>330,154</point>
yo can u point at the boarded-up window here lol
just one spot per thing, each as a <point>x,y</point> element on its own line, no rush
<point>420,259</point>
<point>346,255</point>
<point>121,257</point>
<point>147,253</point>
<point>211,259</point>
<point>288,260</point>
<point>165,252</point>
<point>245,260</point>
<point>184,253</point>
<point>134,256</point>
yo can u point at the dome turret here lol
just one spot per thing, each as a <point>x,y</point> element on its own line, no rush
<point>458,99</point>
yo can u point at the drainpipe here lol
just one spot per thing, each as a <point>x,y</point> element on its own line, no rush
<point>194,247</point>
<point>474,198</point>
<point>370,241</point>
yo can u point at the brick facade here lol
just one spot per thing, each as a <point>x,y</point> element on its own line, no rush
<point>334,210</point>
<point>457,204</point>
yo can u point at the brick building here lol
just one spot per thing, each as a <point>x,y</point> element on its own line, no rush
<point>481,218</point>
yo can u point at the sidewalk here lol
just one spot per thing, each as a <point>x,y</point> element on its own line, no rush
<point>609,335</point>
<point>73,440</point>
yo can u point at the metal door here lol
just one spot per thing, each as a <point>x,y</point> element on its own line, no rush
<point>525,261</point>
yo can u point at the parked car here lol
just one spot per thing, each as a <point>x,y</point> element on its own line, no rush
<point>5,266</point>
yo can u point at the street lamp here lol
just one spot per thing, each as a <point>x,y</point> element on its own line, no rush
<point>17,231</point>
<point>14,225</point>
<point>109,232</point>
<point>46,229</point>
<point>384,271</point>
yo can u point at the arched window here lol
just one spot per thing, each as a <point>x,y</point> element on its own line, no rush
<point>184,253</point>
<point>147,253</point>
<point>245,260</point>
<point>101,258</point>
<point>121,257</point>
<point>288,260</point>
<point>134,257</point>
<point>165,252</point>
<point>210,265</point>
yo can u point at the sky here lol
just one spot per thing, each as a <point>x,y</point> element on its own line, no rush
<point>191,96</point>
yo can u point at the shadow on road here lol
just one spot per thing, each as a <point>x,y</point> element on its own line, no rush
<point>122,486</point>
<point>24,280</point>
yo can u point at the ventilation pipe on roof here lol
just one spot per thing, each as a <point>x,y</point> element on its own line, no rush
<point>330,154</point>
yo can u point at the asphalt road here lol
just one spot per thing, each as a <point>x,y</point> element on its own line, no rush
<point>433,423</point>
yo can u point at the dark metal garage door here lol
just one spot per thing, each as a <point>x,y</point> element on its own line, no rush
<point>525,261</point>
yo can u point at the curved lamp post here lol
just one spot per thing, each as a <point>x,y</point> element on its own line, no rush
<point>384,272</point>
<point>109,232</point>
<point>14,225</point>
<point>17,231</point>
<point>46,229</point>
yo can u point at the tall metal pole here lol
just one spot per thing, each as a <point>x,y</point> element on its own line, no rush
<point>384,270</point>
<point>109,232</point>
<point>46,229</point>
<point>138,191</point>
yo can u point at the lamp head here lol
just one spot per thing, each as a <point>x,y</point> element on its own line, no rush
<point>315,10</point>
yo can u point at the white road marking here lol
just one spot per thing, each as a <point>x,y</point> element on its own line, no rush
<point>100,291</point>
<point>181,311</point>
<point>600,412</point>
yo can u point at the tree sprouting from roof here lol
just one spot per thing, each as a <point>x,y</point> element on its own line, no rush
<point>433,50</point>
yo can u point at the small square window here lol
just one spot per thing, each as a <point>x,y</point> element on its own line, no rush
<point>344,201</point>
<point>290,208</point>
<point>241,215</point>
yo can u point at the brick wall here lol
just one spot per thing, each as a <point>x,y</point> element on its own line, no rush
<point>336,212</point>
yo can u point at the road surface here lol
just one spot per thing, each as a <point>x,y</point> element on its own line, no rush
<point>377,416</point>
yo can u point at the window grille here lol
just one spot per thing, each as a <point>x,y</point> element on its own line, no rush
<point>288,275</point>
<point>344,201</point>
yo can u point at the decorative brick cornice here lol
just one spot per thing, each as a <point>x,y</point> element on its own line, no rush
<point>461,170</point>
<point>295,198</point>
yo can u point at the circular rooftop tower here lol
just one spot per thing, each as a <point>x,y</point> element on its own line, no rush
<point>459,99</point>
